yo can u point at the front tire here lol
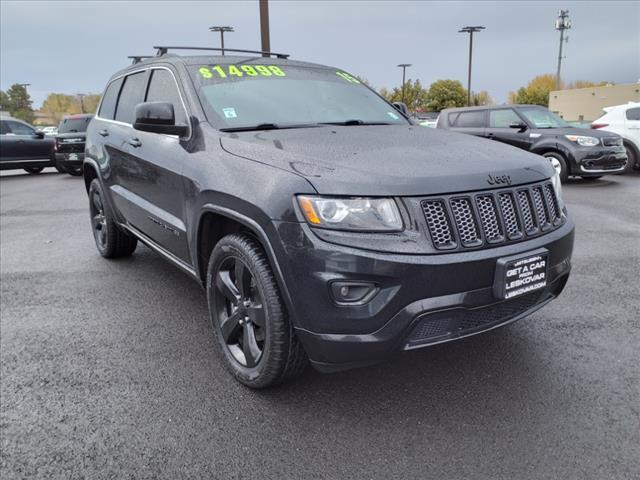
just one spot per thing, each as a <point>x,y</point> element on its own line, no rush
<point>34,170</point>
<point>255,337</point>
<point>110,240</point>
<point>559,164</point>
<point>631,159</point>
<point>74,171</point>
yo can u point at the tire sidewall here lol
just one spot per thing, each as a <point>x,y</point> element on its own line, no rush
<point>260,374</point>
<point>96,187</point>
<point>564,171</point>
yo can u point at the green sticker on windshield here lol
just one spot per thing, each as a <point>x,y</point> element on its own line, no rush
<point>224,71</point>
<point>347,77</point>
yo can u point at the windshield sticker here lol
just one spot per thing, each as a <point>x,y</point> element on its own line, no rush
<point>224,71</point>
<point>229,112</point>
<point>393,115</point>
<point>347,77</point>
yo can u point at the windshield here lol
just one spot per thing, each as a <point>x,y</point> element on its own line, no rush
<point>74,124</point>
<point>543,118</point>
<point>254,94</point>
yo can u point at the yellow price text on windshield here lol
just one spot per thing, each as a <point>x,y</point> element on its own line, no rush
<point>347,77</point>
<point>224,71</point>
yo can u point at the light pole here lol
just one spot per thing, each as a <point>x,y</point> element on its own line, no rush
<point>470,31</point>
<point>562,23</point>
<point>404,67</point>
<point>221,30</point>
<point>264,26</point>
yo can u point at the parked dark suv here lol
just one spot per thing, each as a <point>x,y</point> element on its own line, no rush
<point>572,151</point>
<point>70,143</point>
<point>322,223</point>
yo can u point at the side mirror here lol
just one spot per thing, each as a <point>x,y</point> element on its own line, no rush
<point>158,117</point>
<point>402,108</point>
<point>39,134</point>
<point>519,125</point>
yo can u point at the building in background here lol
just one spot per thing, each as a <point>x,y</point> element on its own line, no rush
<point>586,104</point>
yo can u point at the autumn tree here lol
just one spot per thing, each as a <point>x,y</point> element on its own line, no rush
<point>481,98</point>
<point>415,95</point>
<point>57,105</point>
<point>587,84</point>
<point>536,92</point>
<point>446,94</point>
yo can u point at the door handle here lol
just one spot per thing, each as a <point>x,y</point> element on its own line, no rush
<point>135,142</point>
<point>104,132</point>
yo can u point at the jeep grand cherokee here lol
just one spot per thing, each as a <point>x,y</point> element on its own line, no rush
<point>323,224</point>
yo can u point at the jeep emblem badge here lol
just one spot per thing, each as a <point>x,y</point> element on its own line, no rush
<point>498,179</point>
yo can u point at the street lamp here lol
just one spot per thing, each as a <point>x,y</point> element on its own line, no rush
<point>404,67</point>
<point>470,31</point>
<point>221,30</point>
<point>562,23</point>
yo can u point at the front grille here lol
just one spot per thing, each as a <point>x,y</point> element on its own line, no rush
<point>491,218</point>
<point>440,326</point>
<point>612,141</point>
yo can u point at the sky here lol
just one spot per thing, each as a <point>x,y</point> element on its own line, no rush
<point>74,46</point>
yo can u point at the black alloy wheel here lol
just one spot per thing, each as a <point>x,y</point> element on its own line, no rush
<point>240,311</point>
<point>98,220</point>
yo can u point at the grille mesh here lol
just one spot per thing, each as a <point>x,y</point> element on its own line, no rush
<point>491,218</point>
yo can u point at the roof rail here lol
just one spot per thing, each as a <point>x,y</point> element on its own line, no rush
<point>138,58</point>
<point>163,50</point>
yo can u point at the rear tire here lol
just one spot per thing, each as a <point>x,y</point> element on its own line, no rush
<point>34,170</point>
<point>75,171</point>
<point>111,241</point>
<point>559,164</point>
<point>255,337</point>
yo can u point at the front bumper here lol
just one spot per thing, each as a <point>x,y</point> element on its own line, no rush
<point>599,160</point>
<point>420,299</point>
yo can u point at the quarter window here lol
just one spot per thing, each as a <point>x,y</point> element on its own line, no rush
<point>470,119</point>
<point>109,100</point>
<point>633,114</point>
<point>132,94</point>
<point>503,118</point>
<point>163,88</point>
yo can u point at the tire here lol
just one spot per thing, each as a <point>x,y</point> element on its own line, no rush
<point>632,160</point>
<point>559,163</point>
<point>596,177</point>
<point>257,344</point>
<point>34,170</point>
<point>111,241</point>
<point>74,171</point>
<point>60,169</point>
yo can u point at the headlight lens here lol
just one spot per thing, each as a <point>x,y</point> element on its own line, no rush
<point>584,141</point>
<point>356,214</point>
<point>557,187</point>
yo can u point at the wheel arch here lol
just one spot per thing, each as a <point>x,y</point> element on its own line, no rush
<point>89,173</point>
<point>636,151</point>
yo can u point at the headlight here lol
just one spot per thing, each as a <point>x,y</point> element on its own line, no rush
<point>557,187</point>
<point>357,214</point>
<point>584,141</point>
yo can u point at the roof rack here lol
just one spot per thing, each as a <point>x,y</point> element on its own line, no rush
<point>163,50</point>
<point>138,58</point>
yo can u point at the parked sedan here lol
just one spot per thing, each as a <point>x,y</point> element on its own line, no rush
<point>625,121</point>
<point>22,146</point>
<point>589,154</point>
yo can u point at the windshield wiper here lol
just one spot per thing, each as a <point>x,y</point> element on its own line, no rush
<point>267,126</point>
<point>349,123</point>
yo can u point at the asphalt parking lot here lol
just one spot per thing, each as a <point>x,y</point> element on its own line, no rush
<point>107,369</point>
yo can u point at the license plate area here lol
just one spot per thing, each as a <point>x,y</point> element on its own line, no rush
<point>521,274</point>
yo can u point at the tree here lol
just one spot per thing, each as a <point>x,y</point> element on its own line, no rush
<point>481,98</point>
<point>587,84</point>
<point>536,92</point>
<point>57,105</point>
<point>91,102</point>
<point>415,96</point>
<point>446,94</point>
<point>18,103</point>
<point>4,101</point>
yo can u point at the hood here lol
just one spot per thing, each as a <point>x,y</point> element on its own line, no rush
<point>388,160</point>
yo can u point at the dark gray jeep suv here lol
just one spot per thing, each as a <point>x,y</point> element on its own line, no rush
<point>323,224</point>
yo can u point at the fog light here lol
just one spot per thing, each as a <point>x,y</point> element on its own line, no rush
<point>352,293</point>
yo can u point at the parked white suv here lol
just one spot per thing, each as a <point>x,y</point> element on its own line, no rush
<point>625,121</point>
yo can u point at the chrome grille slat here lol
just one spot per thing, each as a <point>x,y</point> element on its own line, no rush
<point>472,220</point>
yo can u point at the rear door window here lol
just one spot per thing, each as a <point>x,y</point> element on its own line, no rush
<point>4,128</point>
<point>633,114</point>
<point>503,118</point>
<point>109,100</point>
<point>132,94</point>
<point>163,88</point>
<point>471,119</point>
<point>18,128</point>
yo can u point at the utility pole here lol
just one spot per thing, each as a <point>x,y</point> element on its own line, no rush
<point>562,23</point>
<point>221,30</point>
<point>264,26</point>
<point>81,96</point>
<point>404,67</point>
<point>470,31</point>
